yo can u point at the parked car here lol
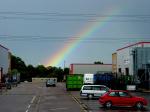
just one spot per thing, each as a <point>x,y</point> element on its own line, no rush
<point>51,82</point>
<point>91,91</point>
<point>121,98</point>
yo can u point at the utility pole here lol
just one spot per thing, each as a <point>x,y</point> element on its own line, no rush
<point>64,78</point>
<point>64,64</point>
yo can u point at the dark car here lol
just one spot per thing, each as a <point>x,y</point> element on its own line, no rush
<point>122,98</point>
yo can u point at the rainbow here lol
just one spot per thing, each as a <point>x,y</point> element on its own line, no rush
<point>59,57</point>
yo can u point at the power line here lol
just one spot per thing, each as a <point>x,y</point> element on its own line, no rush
<point>72,20</point>
<point>66,39</point>
<point>67,17</point>
<point>73,14</point>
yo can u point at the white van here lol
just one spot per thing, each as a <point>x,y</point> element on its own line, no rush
<point>91,91</point>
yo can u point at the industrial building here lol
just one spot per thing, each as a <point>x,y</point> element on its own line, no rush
<point>89,68</point>
<point>133,60</point>
<point>5,60</point>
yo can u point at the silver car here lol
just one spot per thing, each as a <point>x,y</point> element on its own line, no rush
<point>51,82</point>
<point>91,91</point>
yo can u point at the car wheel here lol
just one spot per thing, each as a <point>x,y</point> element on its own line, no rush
<point>139,105</point>
<point>108,104</point>
<point>90,96</point>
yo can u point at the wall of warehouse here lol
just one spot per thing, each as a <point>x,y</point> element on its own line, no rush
<point>89,68</point>
<point>125,58</point>
<point>5,59</point>
<point>125,61</point>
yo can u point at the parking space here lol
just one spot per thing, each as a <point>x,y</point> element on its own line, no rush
<point>94,106</point>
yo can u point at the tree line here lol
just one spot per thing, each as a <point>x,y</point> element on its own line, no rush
<point>27,72</point>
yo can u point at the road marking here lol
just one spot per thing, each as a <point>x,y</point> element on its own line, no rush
<point>30,104</point>
<point>33,99</point>
<point>83,107</point>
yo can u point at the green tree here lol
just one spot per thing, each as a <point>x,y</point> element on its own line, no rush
<point>66,71</point>
<point>41,71</point>
<point>18,64</point>
<point>27,72</point>
<point>98,62</point>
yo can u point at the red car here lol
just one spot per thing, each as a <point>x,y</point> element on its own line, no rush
<point>121,98</point>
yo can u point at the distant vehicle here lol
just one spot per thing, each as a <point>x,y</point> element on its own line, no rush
<point>88,79</point>
<point>91,91</point>
<point>121,98</point>
<point>51,82</point>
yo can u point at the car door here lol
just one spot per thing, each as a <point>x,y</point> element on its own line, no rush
<point>96,91</point>
<point>99,90</point>
<point>114,98</point>
<point>126,99</point>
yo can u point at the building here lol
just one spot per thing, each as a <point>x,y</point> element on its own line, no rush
<point>133,60</point>
<point>89,68</point>
<point>114,63</point>
<point>5,60</point>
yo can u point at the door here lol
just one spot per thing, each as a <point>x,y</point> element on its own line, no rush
<point>125,99</point>
<point>99,90</point>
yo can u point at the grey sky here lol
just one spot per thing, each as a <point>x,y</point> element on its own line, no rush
<point>36,29</point>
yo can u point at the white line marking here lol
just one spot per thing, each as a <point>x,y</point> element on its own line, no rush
<point>29,106</point>
<point>33,99</point>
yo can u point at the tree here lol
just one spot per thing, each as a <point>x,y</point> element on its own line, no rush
<point>98,62</point>
<point>18,64</point>
<point>66,71</point>
<point>41,71</point>
<point>27,72</point>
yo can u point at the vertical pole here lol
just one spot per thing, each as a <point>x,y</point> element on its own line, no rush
<point>64,77</point>
<point>0,74</point>
<point>64,64</point>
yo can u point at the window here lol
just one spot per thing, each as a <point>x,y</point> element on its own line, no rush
<point>103,88</point>
<point>127,71</point>
<point>96,87</point>
<point>113,94</point>
<point>124,94</point>
<point>87,88</point>
<point>119,70</point>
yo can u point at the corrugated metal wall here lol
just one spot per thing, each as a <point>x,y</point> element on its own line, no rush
<point>142,65</point>
<point>142,57</point>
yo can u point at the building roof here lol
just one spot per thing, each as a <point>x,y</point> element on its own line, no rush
<point>4,47</point>
<point>139,43</point>
<point>88,64</point>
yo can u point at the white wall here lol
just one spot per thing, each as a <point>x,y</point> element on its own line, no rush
<point>125,57</point>
<point>90,68</point>
<point>125,60</point>
<point>4,59</point>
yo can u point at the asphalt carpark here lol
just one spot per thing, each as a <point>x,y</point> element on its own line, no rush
<point>94,106</point>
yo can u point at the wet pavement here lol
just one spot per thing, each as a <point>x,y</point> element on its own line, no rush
<point>94,106</point>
